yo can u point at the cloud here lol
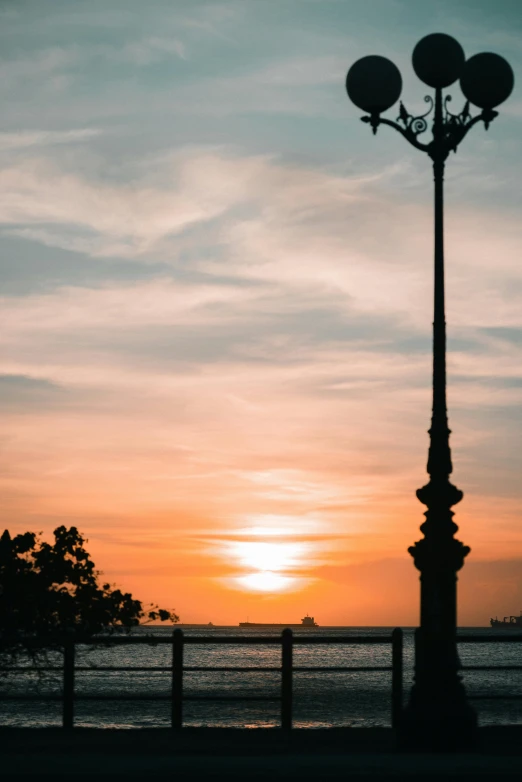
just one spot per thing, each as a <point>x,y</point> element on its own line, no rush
<point>292,228</point>
<point>24,394</point>
<point>131,217</point>
<point>151,50</point>
<point>293,72</point>
<point>291,258</point>
<point>191,187</point>
<point>151,303</point>
<point>45,63</point>
<point>28,138</point>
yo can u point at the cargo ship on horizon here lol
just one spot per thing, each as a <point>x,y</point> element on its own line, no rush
<point>507,623</point>
<point>306,621</point>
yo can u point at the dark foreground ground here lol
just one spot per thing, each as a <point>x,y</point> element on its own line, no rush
<point>351,754</point>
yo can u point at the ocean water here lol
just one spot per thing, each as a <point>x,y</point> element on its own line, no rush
<point>358,699</point>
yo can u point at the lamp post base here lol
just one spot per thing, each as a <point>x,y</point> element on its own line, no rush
<point>438,722</point>
<point>438,717</point>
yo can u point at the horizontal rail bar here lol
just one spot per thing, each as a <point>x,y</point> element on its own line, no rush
<point>86,697</point>
<point>31,669</point>
<point>121,668</point>
<point>84,668</point>
<point>230,639</point>
<point>110,640</point>
<point>23,697</point>
<point>302,639</point>
<point>489,639</point>
<point>213,639</point>
<point>341,669</point>
<point>242,669</point>
<point>495,697</point>
<point>491,668</point>
<point>231,698</point>
<point>167,669</point>
<point>236,668</point>
<point>93,668</point>
<point>370,640</point>
<point>138,697</point>
<point>34,643</point>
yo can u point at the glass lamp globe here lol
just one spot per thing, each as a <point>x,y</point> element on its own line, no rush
<point>487,80</point>
<point>374,84</point>
<point>438,60</point>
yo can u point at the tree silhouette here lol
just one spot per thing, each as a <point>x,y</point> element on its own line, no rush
<point>47,590</point>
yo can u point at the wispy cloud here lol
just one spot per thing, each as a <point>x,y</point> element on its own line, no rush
<point>192,186</point>
<point>15,72</point>
<point>40,138</point>
<point>151,50</point>
<point>137,214</point>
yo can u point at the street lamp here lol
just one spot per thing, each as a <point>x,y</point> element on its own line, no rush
<point>438,715</point>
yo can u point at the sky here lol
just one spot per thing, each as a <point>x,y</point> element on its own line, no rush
<point>216,293</point>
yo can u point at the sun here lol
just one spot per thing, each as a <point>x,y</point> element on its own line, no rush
<point>268,566</point>
<point>268,557</point>
<point>266,582</point>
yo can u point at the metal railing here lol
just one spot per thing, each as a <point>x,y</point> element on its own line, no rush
<point>488,639</point>
<point>177,696</point>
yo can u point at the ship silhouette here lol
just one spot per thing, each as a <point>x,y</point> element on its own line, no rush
<point>306,621</point>
<point>508,622</point>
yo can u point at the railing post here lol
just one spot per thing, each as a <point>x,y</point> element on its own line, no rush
<point>68,683</point>
<point>397,664</point>
<point>286,679</point>
<point>177,679</point>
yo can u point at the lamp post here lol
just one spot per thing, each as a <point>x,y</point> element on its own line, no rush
<point>438,715</point>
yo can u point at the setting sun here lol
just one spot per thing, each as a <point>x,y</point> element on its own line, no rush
<point>268,556</point>
<point>267,582</point>
<point>268,564</point>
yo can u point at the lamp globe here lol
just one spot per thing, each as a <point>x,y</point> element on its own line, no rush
<point>374,83</point>
<point>438,60</point>
<point>487,80</point>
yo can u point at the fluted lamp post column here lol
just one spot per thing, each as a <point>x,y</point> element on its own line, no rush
<point>438,715</point>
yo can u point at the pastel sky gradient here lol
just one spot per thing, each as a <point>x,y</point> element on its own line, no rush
<point>216,295</point>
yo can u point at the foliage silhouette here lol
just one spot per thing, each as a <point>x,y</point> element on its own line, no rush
<point>50,590</point>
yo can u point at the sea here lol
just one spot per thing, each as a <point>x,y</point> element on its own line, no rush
<point>321,699</point>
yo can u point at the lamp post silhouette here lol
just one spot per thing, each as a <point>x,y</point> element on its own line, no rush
<point>438,715</point>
